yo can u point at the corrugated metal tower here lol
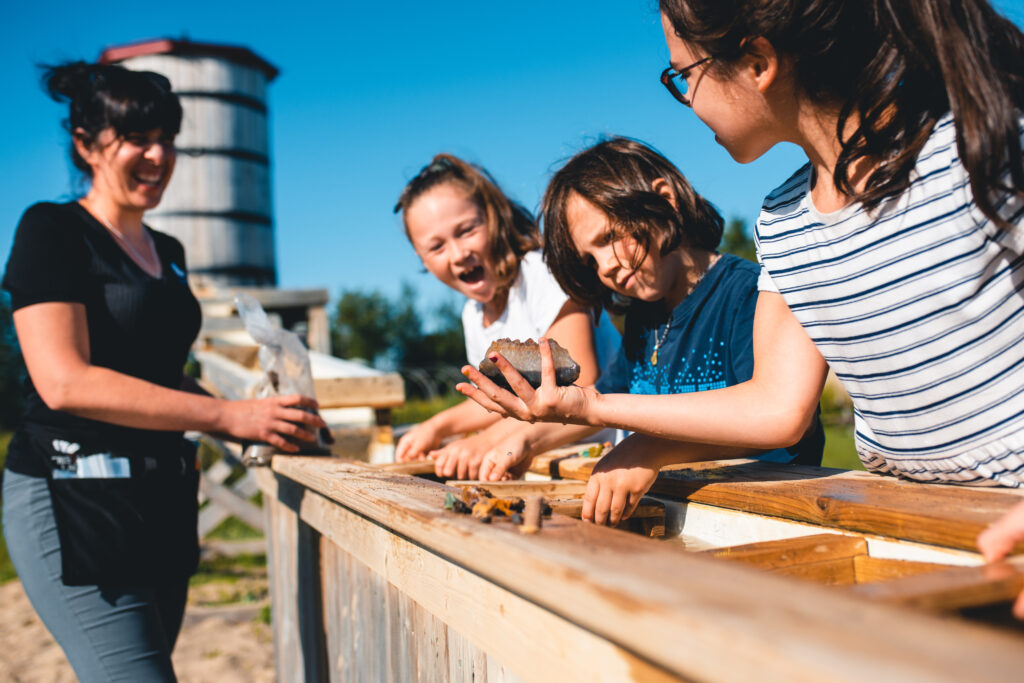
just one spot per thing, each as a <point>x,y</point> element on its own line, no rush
<point>218,202</point>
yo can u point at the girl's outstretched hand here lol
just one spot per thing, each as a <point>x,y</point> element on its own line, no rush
<point>548,403</point>
<point>277,420</point>
<point>998,540</point>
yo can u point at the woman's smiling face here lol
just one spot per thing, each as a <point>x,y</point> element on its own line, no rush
<point>131,170</point>
<point>449,232</point>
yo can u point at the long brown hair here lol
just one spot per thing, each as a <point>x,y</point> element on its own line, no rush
<point>616,176</point>
<point>511,229</point>
<point>894,67</point>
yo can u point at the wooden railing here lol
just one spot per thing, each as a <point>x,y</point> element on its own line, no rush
<point>372,579</point>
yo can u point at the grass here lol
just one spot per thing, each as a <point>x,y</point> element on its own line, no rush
<point>419,409</point>
<point>6,568</point>
<point>839,449</point>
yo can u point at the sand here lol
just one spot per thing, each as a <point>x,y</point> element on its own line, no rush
<point>217,644</point>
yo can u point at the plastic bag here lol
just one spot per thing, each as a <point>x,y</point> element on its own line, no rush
<point>286,361</point>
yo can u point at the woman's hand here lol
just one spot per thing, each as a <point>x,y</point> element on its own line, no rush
<point>277,420</point>
<point>998,540</point>
<point>548,403</point>
<point>417,442</point>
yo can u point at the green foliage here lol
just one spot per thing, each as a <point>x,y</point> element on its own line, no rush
<point>419,409</point>
<point>840,451</point>
<point>736,240</point>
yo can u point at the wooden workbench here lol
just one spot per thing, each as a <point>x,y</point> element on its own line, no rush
<point>371,579</point>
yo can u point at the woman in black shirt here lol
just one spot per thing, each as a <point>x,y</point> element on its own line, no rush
<point>100,488</point>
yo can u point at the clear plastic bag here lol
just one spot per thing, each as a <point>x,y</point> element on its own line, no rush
<point>286,361</point>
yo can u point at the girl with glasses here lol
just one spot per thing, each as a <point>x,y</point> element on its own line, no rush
<point>474,239</point>
<point>895,255</point>
<point>625,231</point>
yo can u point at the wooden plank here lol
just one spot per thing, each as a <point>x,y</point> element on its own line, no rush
<point>835,572</point>
<point>382,391</point>
<point>520,488</point>
<point>687,614</point>
<point>547,463</point>
<point>869,569</point>
<point>793,551</point>
<point>232,502</point>
<point>415,467</point>
<point>950,589</point>
<point>513,638</point>
<point>943,515</point>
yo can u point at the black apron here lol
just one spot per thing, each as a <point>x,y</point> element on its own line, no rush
<point>124,517</point>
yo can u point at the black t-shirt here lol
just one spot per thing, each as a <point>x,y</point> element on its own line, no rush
<point>138,325</point>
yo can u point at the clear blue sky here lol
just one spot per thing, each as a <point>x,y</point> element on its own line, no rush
<point>368,91</point>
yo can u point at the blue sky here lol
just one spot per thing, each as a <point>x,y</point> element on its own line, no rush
<point>368,92</point>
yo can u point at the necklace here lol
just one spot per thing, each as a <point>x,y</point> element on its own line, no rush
<point>658,342</point>
<point>144,261</point>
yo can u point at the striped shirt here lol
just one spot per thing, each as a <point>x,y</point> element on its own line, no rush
<point>918,307</point>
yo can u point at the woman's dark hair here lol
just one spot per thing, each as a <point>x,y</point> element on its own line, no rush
<point>894,67</point>
<point>101,96</point>
<point>617,177</point>
<point>511,229</point>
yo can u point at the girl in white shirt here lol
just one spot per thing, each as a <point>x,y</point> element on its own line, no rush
<point>476,240</point>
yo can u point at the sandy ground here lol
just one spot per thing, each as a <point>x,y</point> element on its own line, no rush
<point>217,644</point>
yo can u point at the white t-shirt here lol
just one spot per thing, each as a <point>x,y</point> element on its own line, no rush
<point>534,301</point>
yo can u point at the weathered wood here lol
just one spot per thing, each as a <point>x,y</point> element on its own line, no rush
<point>943,515</point>
<point>397,611</point>
<point>688,614</point>
<point>870,569</point>
<point>414,467</point>
<point>949,589</point>
<point>520,488</point>
<point>793,551</point>
<point>293,572</point>
<point>231,502</point>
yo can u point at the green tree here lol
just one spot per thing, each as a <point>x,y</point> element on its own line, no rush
<point>360,326</point>
<point>736,240</point>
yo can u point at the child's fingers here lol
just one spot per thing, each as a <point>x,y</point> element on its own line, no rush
<point>603,504</point>
<point>475,394</point>
<point>590,499</point>
<point>547,364</point>
<point>1018,606</point>
<point>617,507</point>
<point>632,504</point>
<point>996,541</point>
<point>519,385</point>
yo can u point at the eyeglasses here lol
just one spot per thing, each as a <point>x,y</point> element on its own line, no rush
<point>676,82</point>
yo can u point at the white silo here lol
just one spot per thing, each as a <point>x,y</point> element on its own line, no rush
<point>219,201</point>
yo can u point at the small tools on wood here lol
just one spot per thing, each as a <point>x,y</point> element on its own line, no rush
<point>485,506</point>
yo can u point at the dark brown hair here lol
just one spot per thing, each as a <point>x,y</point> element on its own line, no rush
<point>511,229</point>
<point>102,96</point>
<point>894,67</point>
<point>616,176</point>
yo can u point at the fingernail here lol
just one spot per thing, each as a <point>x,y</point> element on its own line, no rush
<point>493,359</point>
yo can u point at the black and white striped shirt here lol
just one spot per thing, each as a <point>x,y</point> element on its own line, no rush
<point>918,307</point>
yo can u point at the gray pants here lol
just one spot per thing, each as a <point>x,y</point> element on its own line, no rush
<point>108,633</point>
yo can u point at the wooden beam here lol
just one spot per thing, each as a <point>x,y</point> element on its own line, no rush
<point>790,552</point>
<point>687,614</point>
<point>943,515</point>
<point>950,589</point>
<point>415,467</point>
<point>521,488</point>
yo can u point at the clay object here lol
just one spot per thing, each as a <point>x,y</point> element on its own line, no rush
<point>525,357</point>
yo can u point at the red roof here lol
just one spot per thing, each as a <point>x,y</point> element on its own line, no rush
<point>168,46</point>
